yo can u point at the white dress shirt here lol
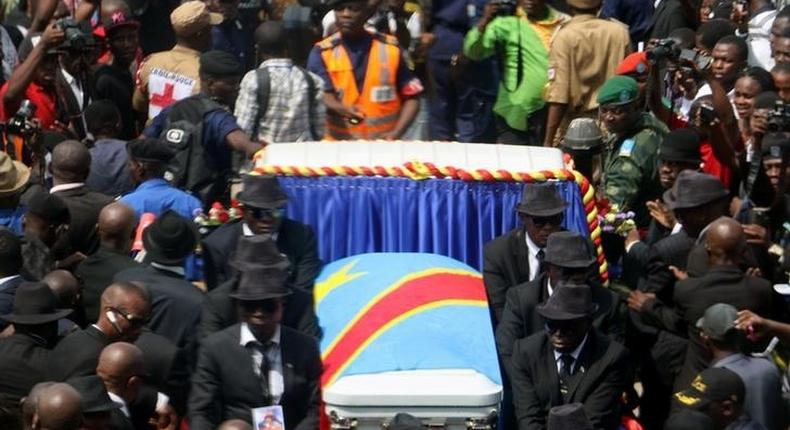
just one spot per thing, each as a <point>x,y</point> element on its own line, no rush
<point>273,354</point>
<point>575,354</point>
<point>119,400</point>
<point>65,187</point>
<point>76,87</point>
<point>534,263</point>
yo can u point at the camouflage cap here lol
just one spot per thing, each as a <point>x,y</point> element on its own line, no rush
<point>618,90</point>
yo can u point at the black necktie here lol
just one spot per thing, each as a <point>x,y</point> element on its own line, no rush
<point>540,255</point>
<point>265,367</point>
<point>566,371</point>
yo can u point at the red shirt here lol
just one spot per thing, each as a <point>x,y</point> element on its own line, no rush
<point>711,165</point>
<point>43,99</point>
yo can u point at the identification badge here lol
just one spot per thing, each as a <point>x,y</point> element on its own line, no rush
<point>627,147</point>
<point>268,418</point>
<point>551,74</point>
<point>385,93</point>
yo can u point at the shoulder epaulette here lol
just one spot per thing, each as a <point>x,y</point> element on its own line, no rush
<point>329,42</point>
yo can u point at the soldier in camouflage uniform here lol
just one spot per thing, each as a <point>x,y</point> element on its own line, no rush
<point>630,178</point>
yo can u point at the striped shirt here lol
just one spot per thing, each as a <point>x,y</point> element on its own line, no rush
<point>287,116</point>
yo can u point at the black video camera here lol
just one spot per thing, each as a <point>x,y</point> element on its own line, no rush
<point>690,56</point>
<point>20,124</point>
<point>779,118</point>
<point>78,35</point>
<point>665,49</point>
<point>505,7</point>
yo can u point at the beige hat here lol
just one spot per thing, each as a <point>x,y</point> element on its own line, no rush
<point>13,175</point>
<point>191,17</point>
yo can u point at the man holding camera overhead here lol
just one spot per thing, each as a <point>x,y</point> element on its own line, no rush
<point>584,54</point>
<point>523,49</point>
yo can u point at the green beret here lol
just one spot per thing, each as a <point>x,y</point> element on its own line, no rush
<point>618,90</point>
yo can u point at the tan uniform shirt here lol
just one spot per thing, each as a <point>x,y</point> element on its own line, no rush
<point>166,77</point>
<point>584,53</point>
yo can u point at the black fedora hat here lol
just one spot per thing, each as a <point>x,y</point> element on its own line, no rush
<point>34,303</point>
<point>694,189</point>
<point>569,417</point>
<point>541,200</point>
<point>568,302</point>
<point>404,421</point>
<point>259,249</point>
<point>260,282</point>
<point>170,239</point>
<point>681,145</point>
<point>93,393</point>
<point>261,191</point>
<point>569,249</point>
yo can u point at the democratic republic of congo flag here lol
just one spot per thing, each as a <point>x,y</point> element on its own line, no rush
<point>403,311</point>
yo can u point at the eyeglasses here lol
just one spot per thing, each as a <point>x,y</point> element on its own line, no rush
<point>261,213</point>
<point>268,305</point>
<point>134,321</point>
<point>550,220</point>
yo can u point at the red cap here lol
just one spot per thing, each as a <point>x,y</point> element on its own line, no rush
<point>635,63</point>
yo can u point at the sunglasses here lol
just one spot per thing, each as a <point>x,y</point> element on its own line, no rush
<point>134,321</point>
<point>268,306</point>
<point>260,213</point>
<point>555,326</point>
<point>548,220</point>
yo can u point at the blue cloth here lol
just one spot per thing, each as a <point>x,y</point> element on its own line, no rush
<point>452,218</point>
<point>233,38</point>
<point>109,174</point>
<point>157,195</point>
<point>216,127</point>
<point>452,19</point>
<point>12,219</point>
<point>637,14</point>
<point>358,51</point>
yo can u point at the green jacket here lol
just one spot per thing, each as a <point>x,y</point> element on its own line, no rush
<point>630,175</point>
<point>506,36</point>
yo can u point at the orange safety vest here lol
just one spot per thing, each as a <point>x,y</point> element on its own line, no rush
<point>379,100</point>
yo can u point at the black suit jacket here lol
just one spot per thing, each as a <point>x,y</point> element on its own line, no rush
<point>7,293</point>
<point>175,306</point>
<point>220,311</point>
<point>521,319</point>
<point>96,273</point>
<point>166,368</point>
<point>78,353</point>
<point>505,265</point>
<point>693,296</point>
<point>603,372</point>
<point>225,386</point>
<point>84,206</point>
<point>24,362</point>
<point>667,17</point>
<point>69,111</point>
<point>296,240</point>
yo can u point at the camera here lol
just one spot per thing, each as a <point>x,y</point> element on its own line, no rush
<point>505,7</point>
<point>665,49</point>
<point>707,114</point>
<point>779,118</point>
<point>77,35</point>
<point>690,56</point>
<point>20,124</point>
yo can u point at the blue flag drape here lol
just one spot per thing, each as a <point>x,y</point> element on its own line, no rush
<point>453,218</point>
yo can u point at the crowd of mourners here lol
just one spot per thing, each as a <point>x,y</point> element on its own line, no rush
<point>128,301</point>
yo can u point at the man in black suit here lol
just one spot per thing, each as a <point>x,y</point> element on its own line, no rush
<point>725,242</point>
<point>263,201</point>
<point>517,257</point>
<point>257,363</point>
<point>220,310</point>
<point>116,226</point>
<point>10,267</point>
<point>99,411</point>
<point>671,15</point>
<point>570,257</point>
<point>26,356</point>
<point>70,166</point>
<point>122,372</point>
<point>569,362</point>
<point>175,302</point>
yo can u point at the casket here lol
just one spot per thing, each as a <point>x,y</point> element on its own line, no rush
<point>453,399</point>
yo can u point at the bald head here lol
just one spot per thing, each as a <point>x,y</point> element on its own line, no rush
<point>118,293</point>
<point>30,403</point>
<point>71,162</point>
<point>119,362</point>
<point>116,224</point>
<point>234,425</point>
<point>725,239</point>
<point>64,285</point>
<point>270,38</point>
<point>59,408</point>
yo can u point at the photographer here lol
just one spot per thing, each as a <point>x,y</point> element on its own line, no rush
<point>522,47</point>
<point>34,80</point>
<point>73,83</point>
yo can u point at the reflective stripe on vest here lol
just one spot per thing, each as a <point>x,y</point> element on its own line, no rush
<point>379,100</point>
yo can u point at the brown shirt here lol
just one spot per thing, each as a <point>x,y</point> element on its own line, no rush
<point>584,53</point>
<point>166,77</point>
